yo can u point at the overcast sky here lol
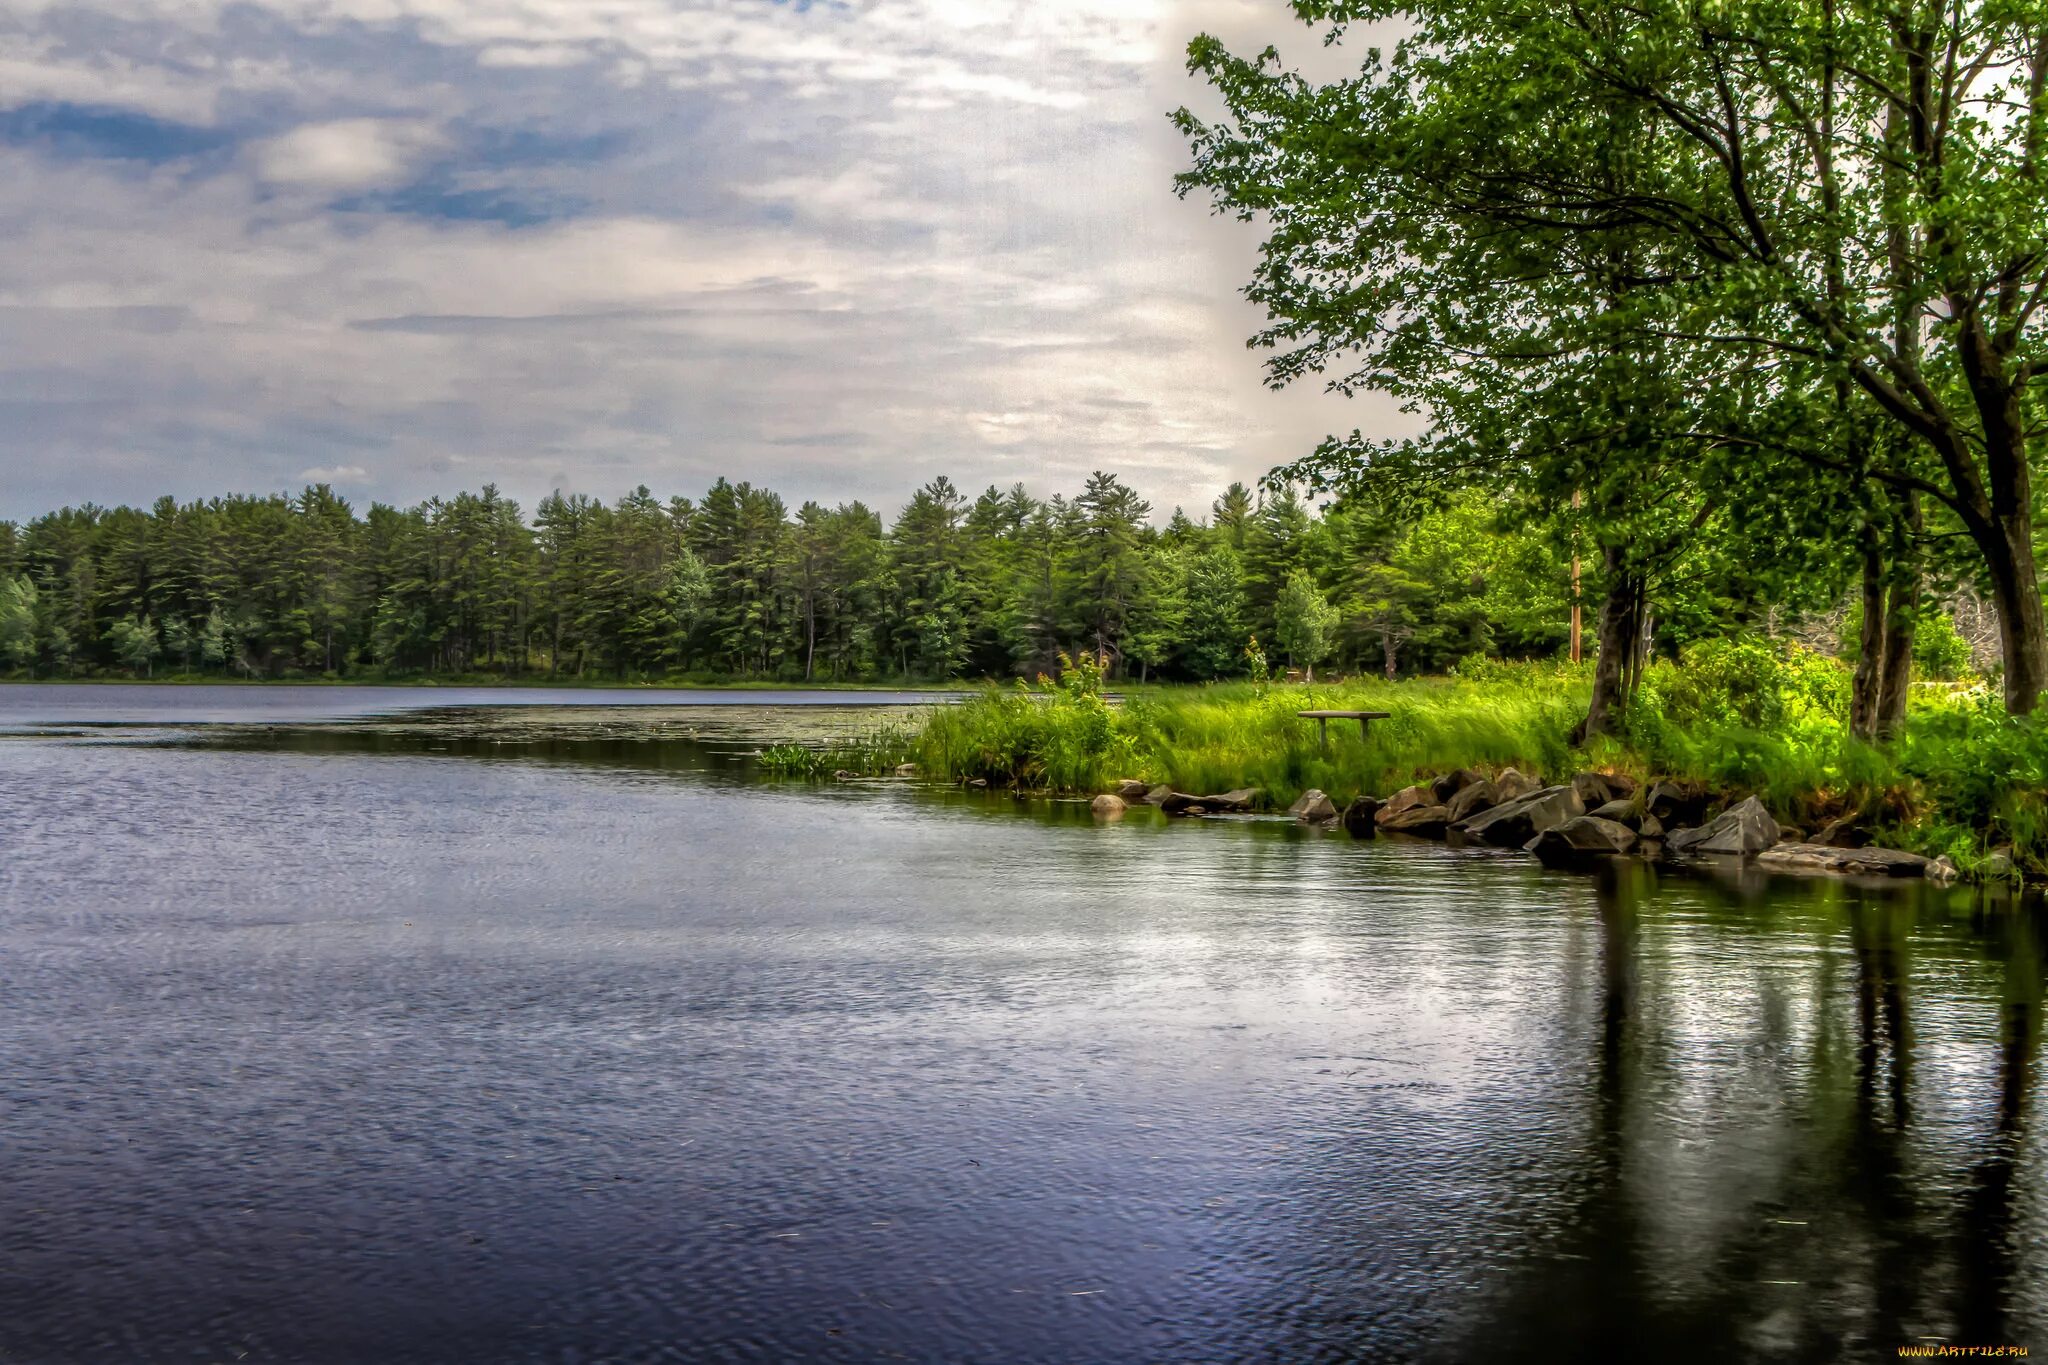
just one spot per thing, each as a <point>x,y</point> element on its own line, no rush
<point>412,246</point>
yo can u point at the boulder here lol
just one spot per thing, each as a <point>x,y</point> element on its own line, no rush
<point>908,770</point>
<point>1428,822</point>
<point>1481,795</point>
<point>1863,862</point>
<point>1173,803</point>
<point>1998,866</point>
<point>1620,810</point>
<point>1239,800</point>
<point>1844,831</point>
<point>1314,808</point>
<point>1405,799</point>
<point>1791,834</point>
<point>1514,823</point>
<point>1107,807</point>
<point>1650,827</point>
<point>1512,785</point>
<point>1130,789</point>
<point>1582,840</point>
<point>1359,817</point>
<point>842,775</point>
<point>1594,789</point>
<point>1450,784</point>
<point>1944,870</point>
<point>1742,829</point>
<point>1676,803</point>
<point>1157,796</point>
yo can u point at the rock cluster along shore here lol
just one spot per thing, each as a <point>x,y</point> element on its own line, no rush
<point>1573,824</point>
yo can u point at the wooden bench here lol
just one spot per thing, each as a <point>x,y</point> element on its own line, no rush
<point>1323,719</point>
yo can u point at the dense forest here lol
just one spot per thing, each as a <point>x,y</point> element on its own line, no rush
<point>735,585</point>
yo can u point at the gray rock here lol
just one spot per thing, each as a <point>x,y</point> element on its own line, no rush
<point>1107,807</point>
<point>1944,870</point>
<point>1621,810</point>
<point>1845,831</point>
<point>1650,827</point>
<point>1157,796</point>
<point>1358,818</point>
<point>1450,784</point>
<point>1998,867</point>
<point>1514,823</point>
<point>1481,795</point>
<point>1177,803</point>
<point>1512,785</point>
<point>1791,834</point>
<point>1743,829</point>
<point>1406,799</point>
<point>1314,808</point>
<point>1676,803</point>
<point>1849,862</point>
<point>1594,789</point>
<point>908,770</point>
<point>1239,800</point>
<point>1581,840</point>
<point>1130,789</point>
<point>1428,822</point>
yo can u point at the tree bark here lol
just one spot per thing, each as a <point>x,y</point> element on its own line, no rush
<point>1622,636</point>
<point>1388,662</point>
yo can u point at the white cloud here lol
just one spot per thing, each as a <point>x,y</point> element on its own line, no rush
<point>833,249</point>
<point>347,154</point>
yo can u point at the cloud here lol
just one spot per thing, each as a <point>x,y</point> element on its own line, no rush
<point>341,473</point>
<point>347,154</point>
<point>834,248</point>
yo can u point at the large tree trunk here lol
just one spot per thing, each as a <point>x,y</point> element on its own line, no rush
<point>2022,634</point>
<point>1622,636</point>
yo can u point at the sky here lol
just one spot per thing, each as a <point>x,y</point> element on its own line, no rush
<point>412,246</point>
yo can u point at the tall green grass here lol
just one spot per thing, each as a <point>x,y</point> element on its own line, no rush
<point>1743,718</point>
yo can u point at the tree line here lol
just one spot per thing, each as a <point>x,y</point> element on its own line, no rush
<point>735,585</point>
<point>1749,291</point>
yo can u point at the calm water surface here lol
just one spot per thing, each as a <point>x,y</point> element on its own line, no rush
<point>338,1025</point>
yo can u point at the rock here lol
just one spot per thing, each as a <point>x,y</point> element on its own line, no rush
<point>1581,840</point>
<point>1358,818</point>
<point>1173,803</point>
<point>1406,799</point>
<point>1791,834</point>
<point>1620,810</point>
<point>1844,831</point>
<point>1676,803</point>
<point>1130,789</point>
<point>1314,808</point>
<point>1621,784</point>
<point>1107,807</point>
<point>1428,822</point>
<point>1481,795</point>
<point>1157,796</point>
<point>1514,823</point>
<point>1944,870</point>
<point>1239,800</point>
<point>908,770</point>
<point>1864,862</point>
<point>1450,784</point>
<point>1594,789</point>
<point>1998,866</point>
<point>979,784</point>
<point>1744,829</point>
<point>1650,827</point>
<point>1188,811</point>
<point>842,775</point>
<point>1512,785</point>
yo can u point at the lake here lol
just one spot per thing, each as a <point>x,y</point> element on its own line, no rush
<point>347,1024</point>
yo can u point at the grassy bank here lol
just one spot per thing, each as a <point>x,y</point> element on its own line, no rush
<point>1964,780</point>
